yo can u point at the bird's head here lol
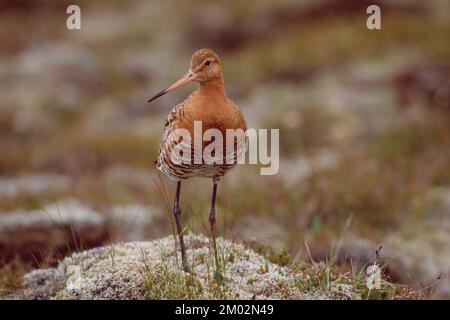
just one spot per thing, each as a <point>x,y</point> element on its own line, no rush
<point>205,66</point>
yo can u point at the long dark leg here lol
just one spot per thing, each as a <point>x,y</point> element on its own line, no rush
<point>212,222</point>
<point>177,213</point>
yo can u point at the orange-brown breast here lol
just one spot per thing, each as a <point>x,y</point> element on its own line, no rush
<point>214,110</point>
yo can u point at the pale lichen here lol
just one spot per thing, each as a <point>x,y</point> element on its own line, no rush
<point>140,270</point>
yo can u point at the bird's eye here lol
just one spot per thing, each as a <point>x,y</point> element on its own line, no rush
<point>208,62</point>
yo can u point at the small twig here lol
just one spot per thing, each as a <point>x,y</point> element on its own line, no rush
<point>316,266</point>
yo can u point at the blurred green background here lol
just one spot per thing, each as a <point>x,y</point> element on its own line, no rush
<point>364,118</point>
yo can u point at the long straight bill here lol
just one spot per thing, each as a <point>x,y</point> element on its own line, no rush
<point>188,77</point>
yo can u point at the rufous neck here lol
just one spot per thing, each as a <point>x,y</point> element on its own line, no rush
<point>215,87</point>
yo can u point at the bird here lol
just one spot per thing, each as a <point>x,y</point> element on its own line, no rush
<point>209,104</point>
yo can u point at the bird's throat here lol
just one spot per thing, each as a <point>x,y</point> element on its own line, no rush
<point>214,88</point>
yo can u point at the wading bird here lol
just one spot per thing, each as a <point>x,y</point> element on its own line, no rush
<point>210,105</point>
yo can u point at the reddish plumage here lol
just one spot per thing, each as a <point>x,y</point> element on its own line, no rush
<point>210,105</point>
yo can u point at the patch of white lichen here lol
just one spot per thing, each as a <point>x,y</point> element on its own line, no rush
<point>151,270</point>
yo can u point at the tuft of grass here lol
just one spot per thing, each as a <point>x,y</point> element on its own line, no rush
<point>11,276</point>
<point>326,277</point>
<point>280,256</point>
<point>163,282</point>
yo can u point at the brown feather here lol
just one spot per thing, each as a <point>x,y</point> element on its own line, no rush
<point>209,104</point>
